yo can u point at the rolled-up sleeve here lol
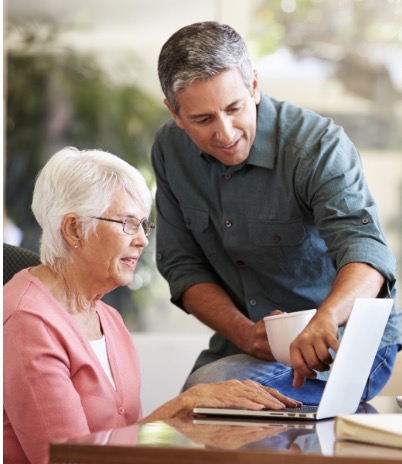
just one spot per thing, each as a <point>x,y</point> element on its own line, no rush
<point>344,210</point>
<point>179,257</point>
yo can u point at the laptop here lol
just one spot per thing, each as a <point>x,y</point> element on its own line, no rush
<point>349,372</point>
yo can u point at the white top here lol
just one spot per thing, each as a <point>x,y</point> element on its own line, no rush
<point>99,347</point>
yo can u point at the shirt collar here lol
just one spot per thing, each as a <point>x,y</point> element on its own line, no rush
<point>263,151</point>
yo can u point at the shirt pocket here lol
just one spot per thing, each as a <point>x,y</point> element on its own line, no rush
<point>197,221</point>
<point>282,245</point>
<point>195,218</point>
<point>277,233</point>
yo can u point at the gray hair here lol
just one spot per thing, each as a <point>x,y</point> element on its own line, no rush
<point>84,183</point>
<point>200,51</point>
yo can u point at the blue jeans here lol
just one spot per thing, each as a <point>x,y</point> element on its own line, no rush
<point>280,377</point>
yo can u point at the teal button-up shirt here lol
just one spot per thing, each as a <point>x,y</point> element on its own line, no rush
<point>274,230</point>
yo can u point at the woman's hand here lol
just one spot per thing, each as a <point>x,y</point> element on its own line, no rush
<point>232,393</point>
<point>245,394</point>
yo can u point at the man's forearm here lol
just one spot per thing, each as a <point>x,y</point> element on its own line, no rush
<point>354,280</point>
<point>212,305</point>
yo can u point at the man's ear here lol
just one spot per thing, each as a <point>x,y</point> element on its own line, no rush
<point>176,116</point>
<point>71,230</point>
<point>256,88</point>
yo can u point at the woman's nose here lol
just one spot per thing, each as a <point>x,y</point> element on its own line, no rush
<point>139,238</point>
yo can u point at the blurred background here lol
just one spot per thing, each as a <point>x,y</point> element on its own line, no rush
<point>83,73</point>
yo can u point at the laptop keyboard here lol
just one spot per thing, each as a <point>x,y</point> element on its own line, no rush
<point>304,408</point>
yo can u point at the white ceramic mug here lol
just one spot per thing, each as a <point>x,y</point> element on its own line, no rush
<point>282,329</point>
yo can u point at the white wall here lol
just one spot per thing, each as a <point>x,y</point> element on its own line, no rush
<point>165,361</point>
<point>383,171</point>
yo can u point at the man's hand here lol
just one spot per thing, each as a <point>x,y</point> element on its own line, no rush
<point>255,342</point>
<point>310,350</point>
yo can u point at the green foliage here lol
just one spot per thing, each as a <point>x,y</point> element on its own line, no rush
<point>58,97</point>
<point>309,26</point>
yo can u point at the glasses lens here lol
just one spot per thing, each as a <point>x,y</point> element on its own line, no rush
<point>147,226</point>
<point>131,226</point>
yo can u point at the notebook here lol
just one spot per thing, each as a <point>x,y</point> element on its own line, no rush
<point>349,372</point>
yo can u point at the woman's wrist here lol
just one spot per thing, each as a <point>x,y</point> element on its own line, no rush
<point>181,405</point>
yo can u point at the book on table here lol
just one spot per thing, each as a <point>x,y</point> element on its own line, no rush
<point>364,450</point>
<point>376,429</point>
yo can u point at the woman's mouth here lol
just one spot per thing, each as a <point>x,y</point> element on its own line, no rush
<point>130,262</point>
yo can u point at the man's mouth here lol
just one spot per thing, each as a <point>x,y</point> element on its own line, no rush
<point>230,145</point>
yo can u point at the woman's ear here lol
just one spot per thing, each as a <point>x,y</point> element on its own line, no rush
<point>71,229</point>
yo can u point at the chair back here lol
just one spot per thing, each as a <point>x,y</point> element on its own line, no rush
<point>17,258</point>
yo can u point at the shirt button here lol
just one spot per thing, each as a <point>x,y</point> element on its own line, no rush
<point>228,176</point>
<point>121,410</point>
<point>228,223</point>
<point>276,238</point>
<point>187,220</point>
<point>365,221</point>
<point>159,256</point>
<point>253,302</point>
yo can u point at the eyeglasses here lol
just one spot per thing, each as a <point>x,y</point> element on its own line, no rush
<point>131,225</point>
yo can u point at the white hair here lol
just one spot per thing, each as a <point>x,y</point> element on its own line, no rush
<point>82,182</point>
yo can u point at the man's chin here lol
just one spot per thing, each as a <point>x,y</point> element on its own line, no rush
<point>232,161</point>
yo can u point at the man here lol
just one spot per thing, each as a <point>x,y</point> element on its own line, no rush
<point>262,206</point>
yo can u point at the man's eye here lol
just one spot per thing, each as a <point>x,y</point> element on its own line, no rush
<point>202,122</point>
<point>234,109</point>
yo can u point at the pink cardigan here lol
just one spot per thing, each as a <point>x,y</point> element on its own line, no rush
<point>54,386</point>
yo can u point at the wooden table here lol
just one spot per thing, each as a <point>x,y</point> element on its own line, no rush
<point>188,441</point>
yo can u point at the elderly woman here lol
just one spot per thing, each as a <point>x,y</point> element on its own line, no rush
<point>70,366</point>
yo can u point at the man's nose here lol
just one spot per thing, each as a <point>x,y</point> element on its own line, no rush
<point>224,130</point>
